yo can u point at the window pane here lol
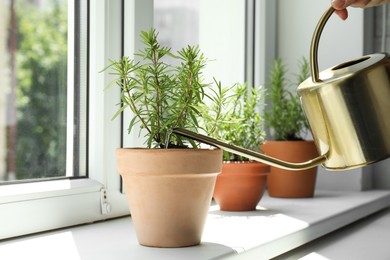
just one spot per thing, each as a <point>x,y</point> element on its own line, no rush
<point>33,88</point>
<point>177,22</point>
<point>217,26</point>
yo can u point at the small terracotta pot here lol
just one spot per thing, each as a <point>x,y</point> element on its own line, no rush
<point>240,186</point>
<point>169,192</point>
<point>291,184</point>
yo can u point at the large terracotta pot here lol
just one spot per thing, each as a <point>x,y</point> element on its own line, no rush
<point>286,183</point>
<point>169,192</point>
<point>241,185</point>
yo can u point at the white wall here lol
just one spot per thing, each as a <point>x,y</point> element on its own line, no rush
<point>340,41</point>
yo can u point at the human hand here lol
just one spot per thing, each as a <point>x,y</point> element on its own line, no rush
<point>341,5</point>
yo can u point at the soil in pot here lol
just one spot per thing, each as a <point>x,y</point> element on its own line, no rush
<point>240,186</point>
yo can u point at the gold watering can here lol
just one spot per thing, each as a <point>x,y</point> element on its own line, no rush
<point>348,110</point>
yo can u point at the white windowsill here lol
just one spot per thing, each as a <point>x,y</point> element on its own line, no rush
<point>278,226</point>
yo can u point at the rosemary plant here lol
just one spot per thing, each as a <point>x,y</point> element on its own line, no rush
<point>284,115</point>
<point>240,122</point>
<point>160,95</point>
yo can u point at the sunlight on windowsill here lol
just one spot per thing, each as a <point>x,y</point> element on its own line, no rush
<point>60,244</point>
<point>314,256</point>
<point>253,228</point>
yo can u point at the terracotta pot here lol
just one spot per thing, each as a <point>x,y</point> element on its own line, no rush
<point>240,186</point>
<point>169,192</point>
<point>291,184</point>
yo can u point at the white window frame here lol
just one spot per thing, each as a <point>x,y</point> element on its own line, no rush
<point>40,206</point>
<point>138,16</point>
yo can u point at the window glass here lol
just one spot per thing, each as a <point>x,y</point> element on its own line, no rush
<point>177,23</point>
<point>217,26</point>
<point>34,89</point>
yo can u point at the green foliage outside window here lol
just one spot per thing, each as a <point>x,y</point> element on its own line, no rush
<point>41,85</point>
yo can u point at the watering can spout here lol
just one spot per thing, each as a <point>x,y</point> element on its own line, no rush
<point>252,155</point>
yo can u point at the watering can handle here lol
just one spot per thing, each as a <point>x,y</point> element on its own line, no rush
<point>314,45</point>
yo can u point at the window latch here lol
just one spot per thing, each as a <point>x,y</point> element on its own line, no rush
<point>104,204</point>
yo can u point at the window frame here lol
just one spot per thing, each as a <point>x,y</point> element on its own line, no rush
<point>38,206</point>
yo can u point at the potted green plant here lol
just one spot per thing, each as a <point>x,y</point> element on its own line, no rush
<point>168,185</point>
<point>286,121</point>
<point>241,184</point>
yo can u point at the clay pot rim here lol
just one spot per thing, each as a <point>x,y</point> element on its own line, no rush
<point>188,151</point>
<point>244,173</point>
<point>265,168</point>
<point>288,141</point>
<point>241,162</point>
<point>169,149</point>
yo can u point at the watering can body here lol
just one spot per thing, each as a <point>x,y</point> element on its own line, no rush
<point>348,110</point>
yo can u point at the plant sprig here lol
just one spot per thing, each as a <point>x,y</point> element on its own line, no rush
<point>284,115</point>
<point>160,95</point>
<point>239,121</point>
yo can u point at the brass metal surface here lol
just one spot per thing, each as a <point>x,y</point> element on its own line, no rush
<point>348,107</point>
<point>349,112</point>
